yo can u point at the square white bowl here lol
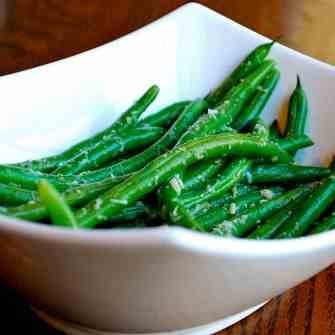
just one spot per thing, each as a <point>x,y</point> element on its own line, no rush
<point>160,279</point>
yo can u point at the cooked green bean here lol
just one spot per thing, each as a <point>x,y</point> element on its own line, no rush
<point>60,212</point>
<point>231,175</point>
<point>80,195</point>
<point>297,115</point>
<point>139,223</point>
<point>214,216</point>
<point>11,195</point>
<point>250,218</point>
<point>121,143</point>
<point>136,162</point>
<point>164,167</point>
<point>302,219</point>
<point>231,106</point>
<point>270,173</point>
<point>200,173</point>
<point>169,194</point>
<point>28,179</point>
<point>255,107</point>
<point>237,191</point>
<point>127,119</point>
<point>293,144</point>
<point>328,223</point>
<point>272,225</point>
<point>249,64</point>
<point>165,116</point>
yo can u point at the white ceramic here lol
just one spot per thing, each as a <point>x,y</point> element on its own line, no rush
<point>163,279</point>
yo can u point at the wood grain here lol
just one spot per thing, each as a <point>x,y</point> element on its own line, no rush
<point>37,32</point>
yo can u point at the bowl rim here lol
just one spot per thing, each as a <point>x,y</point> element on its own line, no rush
<point>169,236</point>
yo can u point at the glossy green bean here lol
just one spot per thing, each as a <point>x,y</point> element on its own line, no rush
<point>231,175</point>
<point>200,173</point>
<point>295,143</point>
<point>135,224</point>
<point>215,216</point>
<point>12,195</point>
<point>123,142</point>
<point>272,225</point>
<point>237,191</point>
<point>283,173</point>
<point>249,219</point>
<point>164,167</point>
<point>165,116</point>
<point>297,115</point>
<point>127,119</point>
<point>328,223</point>
<point>28,179</point>
<point>168,194</point>
<point>302,219</point>
<point>255,107</point>
<point>136,162</point>
<point>231,106</point>
<point>36,211</point>
<point>249,64</point>
<point>60,212</point>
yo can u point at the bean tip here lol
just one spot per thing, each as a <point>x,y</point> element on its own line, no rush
<point>298,81</point>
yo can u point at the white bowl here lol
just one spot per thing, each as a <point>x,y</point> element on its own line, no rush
<point>167,278</point>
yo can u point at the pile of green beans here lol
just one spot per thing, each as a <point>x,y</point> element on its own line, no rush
<point>211,165</point>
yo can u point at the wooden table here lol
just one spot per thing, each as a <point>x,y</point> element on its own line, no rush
<point>37,32</point>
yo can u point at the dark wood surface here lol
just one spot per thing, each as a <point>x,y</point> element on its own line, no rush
<point>37,32</point>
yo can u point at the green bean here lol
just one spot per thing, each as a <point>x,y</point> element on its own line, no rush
<point>328,223</point>
<point>132,224</point>
<point>271,226</point>
<point>250,218</point>
<point>123,142</point>
<point>80,195</point>
<point>255,107</point>
<point>136,162</point>
<point>231,106</point>
<point>293,144</point>
<point>249,64</point>
<point>12,195</point>
<point>318,201</point>
<point>60,212</point>
<point>28,179</point>
<point>275,131</point>
<point>131,116</point>
<point>164,117</point>
<point>164,167</point>
<point>298,109</point>
<point>216,215</point>
<point>127,119</point>
<point>168,194</point>
<point>237,191</point>
<point>269,173</point>
<point>200,173</point>
<point>180,214</point>
<point>231,175</point>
